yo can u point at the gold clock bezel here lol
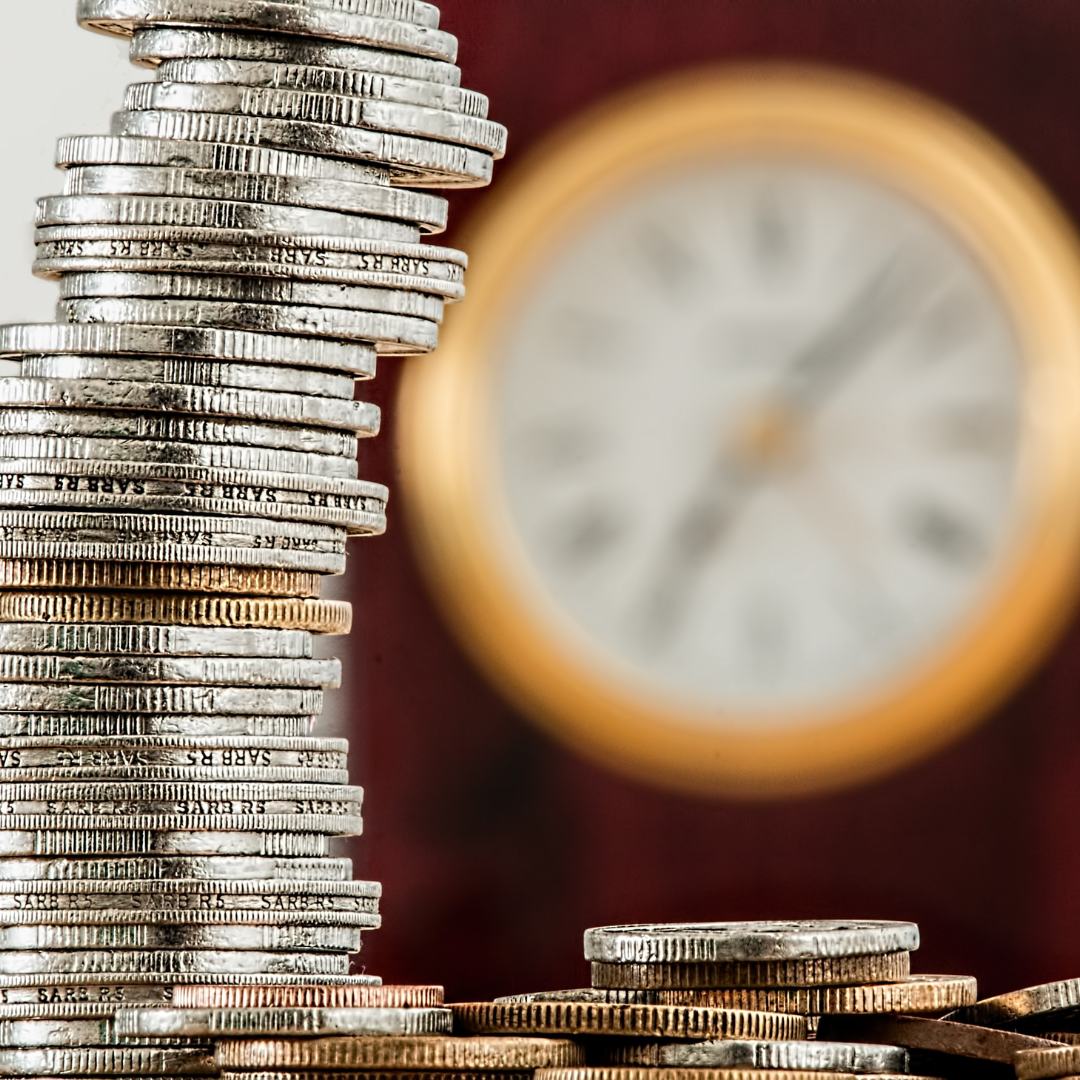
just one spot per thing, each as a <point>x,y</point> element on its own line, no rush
<point>475,563</point>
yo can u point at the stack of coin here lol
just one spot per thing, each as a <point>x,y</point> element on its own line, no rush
<point>178,474</point>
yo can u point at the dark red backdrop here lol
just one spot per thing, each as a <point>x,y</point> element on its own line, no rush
<point>497,847</point>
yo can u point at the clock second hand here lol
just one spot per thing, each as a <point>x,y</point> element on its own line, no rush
<point>886,301</point>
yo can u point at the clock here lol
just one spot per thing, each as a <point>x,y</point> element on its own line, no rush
<point>751,464</point>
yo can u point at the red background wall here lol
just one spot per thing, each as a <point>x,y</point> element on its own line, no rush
<point>497,847</point>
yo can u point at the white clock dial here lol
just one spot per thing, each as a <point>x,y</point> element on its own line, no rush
<point>758,430</point>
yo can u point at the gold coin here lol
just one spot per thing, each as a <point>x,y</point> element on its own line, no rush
<point>168,577</point>
<point>830,971</point>
<point>1056,1062</point>
<point>651,1021</point>
<point>916,994</point>
<point>422,1053</point>
<point>308,997</point>
<point>640,1072</point>
<point>177,609</point>
<point>374,1074</point>
<point>1070,1037</point>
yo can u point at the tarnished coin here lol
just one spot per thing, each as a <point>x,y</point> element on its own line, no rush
<point>644,1072</point>
<point>390,334</point>
<point>697,943</point>
<point>824,971</point>
<point>140,1061</point>
<point>282,1023</point>
<point>648,1021</point>
<point>160,640</point>
<point>321,108</point>
<point>218,837</point>
<point>427,211</point>
<point>592,994</point>
<point>814,1056</point>
<point>424,1053</point>
<point>334,22</point>
<point>63,1031</point>
<point>163,961</point>
<point>1035,1008</point>
<point>916,994</point>
<point>308,997</point>
<point>164,370</point>
<point>105,339</point>
<point>152,45</point>
<point>345,82</point>
<point>313,616</point>
<point>174,867</point>
<point>153,725</point>
<point>432,163</point>
<point>1048,1062</point>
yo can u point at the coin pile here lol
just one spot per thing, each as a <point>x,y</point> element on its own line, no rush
<point>178,474</point>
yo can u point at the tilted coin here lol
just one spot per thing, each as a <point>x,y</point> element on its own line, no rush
<point>152,45</point>
<point>104,339</point>
<point>321,108</point>
<point>1047,1062</point>
<point>282,1023</point>
<point>76,150</point>
<point>160,640</point>
<point>432,163</point>
<point>272,406</point>
<point>202,670</point>
<point>191,372</point>
<point>313,616</point>
<point>642,1021</point>
<point>307,997</point>
<point>388,1052</point>
<point>169,961</point>
<point>251,290</point>
<point>346,82</point>
<point>1034,1008</point>
<point>236,457</point>
<point>695,943</point>
<point>936,1036</point>
<point>123,16</point>
<point>217,838</point>
<point>132,1061</point>
<point>839,1057</point>
<point>916,994</point>
<point>42,936</point>
<point>342,196</point>
<point>823,971</point>
<point>169,211</point>
<point>170,867</point>
<point>391,334</point>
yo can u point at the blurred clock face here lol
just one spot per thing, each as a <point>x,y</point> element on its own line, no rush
<point>758,428</point>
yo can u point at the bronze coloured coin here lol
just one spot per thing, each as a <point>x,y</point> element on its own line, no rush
<point>1056,1061</point>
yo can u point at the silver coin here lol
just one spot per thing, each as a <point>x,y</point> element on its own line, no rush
<point>124,16</point>
<point>75,150</point>
<point>181,890</point>
<point>214,840</point>
<point>271,774</point>
<point>357,417</point>
<point>170,212</point>
<point>354,915</point>
<point>152,45</point>
<point>137,640</point>
<point>418,208</point>
<point>189,342</point>
<point>588,994</point>
<point>191,372</point>
<point>394,334</point>
<point>282,1023</point>
<point>162,961</point>
<point>119,725</point>
<point>240,798</point>
<point>52,817</point>
<point>339,111</point>
<point>167,868</point>
<point>60,1032</point>
<point>690,943</point>
<point>149,936</point>
<point>154,749</point>
<point>107,1061</point>
<point>180,454</point>
<point>70,253</point>
<point>432,163</point>
<point>805,1056</point>
<point>410,11</point>
<point>95,697</point>
<point>252,290</point>
<point>101,424</point>
<point>344,82</point>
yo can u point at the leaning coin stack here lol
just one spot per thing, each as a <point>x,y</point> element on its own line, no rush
<point>179,472</point>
